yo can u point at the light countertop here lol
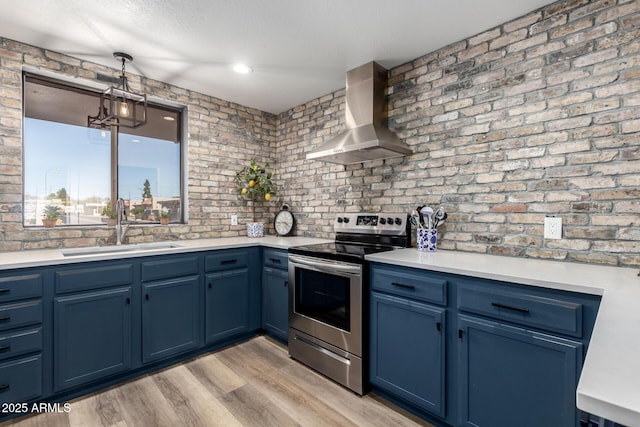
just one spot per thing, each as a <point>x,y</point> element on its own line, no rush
<point>610,380</point>
<point>39,258</point>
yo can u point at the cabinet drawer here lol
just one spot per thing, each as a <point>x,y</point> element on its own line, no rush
<point>276,259</point>
<point>21,380</point>
<point>87,278</point>
<point>225,260</point>
<point>525,309</point>
<point>20,287</point>
<point>167,268</point>
<point>15,343</point>
<point>410,283</point>
<point>23,314</point>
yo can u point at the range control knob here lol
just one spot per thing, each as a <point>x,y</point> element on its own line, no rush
<point>345,219</point>
<point>340,220</point>
<point>390,221</point>
<point>398,221</point>
<point>383,221</point>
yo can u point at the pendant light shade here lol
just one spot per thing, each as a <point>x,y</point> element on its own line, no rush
<point>119,105</point>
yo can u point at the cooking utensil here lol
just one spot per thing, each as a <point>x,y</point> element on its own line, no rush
<point>439,217</point>
<point>428,212</point>
<point>416,219</point>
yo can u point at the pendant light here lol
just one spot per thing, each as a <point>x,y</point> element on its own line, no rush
<point>119,105</point>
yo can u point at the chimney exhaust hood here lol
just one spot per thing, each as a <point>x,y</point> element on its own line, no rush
<point>367,136</point>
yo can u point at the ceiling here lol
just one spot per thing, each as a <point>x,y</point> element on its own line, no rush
<point>299,50</point>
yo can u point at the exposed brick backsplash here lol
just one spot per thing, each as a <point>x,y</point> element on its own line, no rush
<point>538,116</point>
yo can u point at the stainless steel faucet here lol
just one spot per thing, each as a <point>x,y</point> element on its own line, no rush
<point>121,229</point>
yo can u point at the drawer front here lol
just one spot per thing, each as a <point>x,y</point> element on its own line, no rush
<point>167,268</point>
<point>21,380</point>
<point>20,287</point>
<point>16,343</point>
<point>276,259</point>
<point>525,309</point>
<point>225,260</point>
<point>23,314</point>
<point>410,283</point>
<point>95,277</point>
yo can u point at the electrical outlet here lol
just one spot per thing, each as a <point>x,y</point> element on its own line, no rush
<point>234,219</point>
<point>552,227</point>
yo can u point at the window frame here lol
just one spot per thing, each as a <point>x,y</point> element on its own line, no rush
<point>91,88</point>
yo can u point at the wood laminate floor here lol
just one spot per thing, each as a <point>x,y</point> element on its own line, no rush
<point>254,383</point>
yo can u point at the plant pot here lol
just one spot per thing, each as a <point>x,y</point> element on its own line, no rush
<point>164,221</point>
<point>255,229</point>
<point>49,223</point>
<point>111,222</point>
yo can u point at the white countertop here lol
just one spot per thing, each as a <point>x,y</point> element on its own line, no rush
<point>23,259</point>
<point>610,380</point>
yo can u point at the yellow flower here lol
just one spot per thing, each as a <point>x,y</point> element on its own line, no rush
<point>267,197</point>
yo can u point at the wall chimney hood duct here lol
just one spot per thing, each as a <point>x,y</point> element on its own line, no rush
<point>367,136</point>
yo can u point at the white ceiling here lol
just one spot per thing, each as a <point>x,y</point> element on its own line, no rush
<point>299,50</point>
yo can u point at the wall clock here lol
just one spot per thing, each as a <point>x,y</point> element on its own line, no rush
<point>284,221</point>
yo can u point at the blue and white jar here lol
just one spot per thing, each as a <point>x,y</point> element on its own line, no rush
<point>427,239</point>
<point>255,229</point>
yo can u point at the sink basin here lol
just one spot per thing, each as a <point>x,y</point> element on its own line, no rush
<point>102,250</point>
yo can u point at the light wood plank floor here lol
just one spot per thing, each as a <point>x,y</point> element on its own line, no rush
<point>254,383</point>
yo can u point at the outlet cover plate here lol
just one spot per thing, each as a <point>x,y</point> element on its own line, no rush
<point>234,219</point>
<point>552,227</point>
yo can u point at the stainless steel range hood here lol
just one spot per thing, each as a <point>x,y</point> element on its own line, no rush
<point>367,136</point>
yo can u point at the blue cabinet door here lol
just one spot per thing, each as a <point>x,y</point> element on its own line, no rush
<point>170,317</point>
<point>227,304</point>
<point>511,376</point>
<point>407,350</point>
<point>92,336</point>
<point>275,298</point>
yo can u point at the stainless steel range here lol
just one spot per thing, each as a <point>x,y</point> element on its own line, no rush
<point>328,302</point>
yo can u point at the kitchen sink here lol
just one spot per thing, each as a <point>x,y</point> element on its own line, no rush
<point>102,250</point>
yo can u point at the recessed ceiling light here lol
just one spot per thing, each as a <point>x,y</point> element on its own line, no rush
<point>242,68</point>
<point>169,118</point>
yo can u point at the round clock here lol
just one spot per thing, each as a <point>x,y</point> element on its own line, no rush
<point>284,221</point>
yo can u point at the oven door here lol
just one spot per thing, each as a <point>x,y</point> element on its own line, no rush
<point>325,301</point>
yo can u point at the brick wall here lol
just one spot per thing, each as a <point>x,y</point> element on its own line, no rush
<point>539,116</point>
<point>223,137</point>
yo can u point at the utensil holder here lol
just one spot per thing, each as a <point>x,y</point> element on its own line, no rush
<point>427,239</point>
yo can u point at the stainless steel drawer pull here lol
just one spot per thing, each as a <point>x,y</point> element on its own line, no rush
<point>508,307</point>
<point>402,285</point>
<point>229,261</point>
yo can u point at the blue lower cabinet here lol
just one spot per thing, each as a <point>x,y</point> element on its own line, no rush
<point>227,304</point>
<point>92,336</point>
<point>407,350</point>
<point>275,302</point>
<point>170,317</point>
<point>511,376</point>
<point>21,379</point>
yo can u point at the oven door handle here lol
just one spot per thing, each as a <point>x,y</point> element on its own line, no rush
<point>326,267</point>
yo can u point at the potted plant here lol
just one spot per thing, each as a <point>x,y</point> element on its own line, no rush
<point>110,215</point>
<point>51,214</point>
<point>164,216</point>
<point>255,184</point>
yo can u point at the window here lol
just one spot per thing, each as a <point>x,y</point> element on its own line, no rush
<point>81,169</point>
